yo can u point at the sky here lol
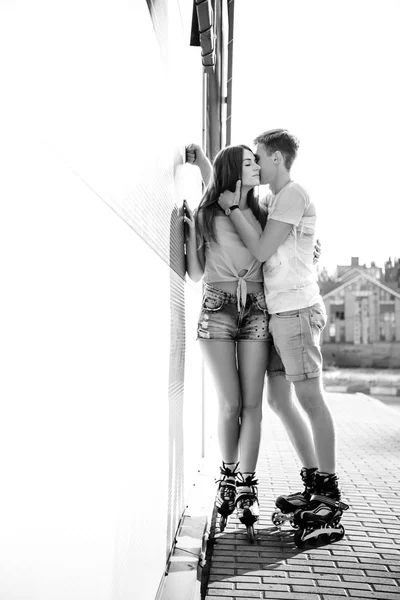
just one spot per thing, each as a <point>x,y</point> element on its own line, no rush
<point>329,72</point>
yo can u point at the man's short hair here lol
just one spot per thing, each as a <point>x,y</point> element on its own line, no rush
<point>282,140</point>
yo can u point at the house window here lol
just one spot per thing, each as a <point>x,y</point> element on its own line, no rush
<point>387,326</point>
<point>386,308</point>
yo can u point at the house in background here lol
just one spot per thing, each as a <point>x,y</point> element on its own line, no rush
<point>363,310</point>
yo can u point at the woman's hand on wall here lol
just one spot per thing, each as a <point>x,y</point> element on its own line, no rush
<point>195,156</point>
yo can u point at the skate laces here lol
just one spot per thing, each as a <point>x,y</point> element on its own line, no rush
<point>248,481</point>
<point>227,483</point>
<point>246,498</point>
<point>226,472</point>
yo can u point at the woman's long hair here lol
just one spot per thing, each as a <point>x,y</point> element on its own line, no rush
<point>227,170</point>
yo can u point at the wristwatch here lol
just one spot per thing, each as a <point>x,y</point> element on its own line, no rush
<point>230,209</point>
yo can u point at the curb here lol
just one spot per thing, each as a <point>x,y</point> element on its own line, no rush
<point>182,579</point>
<point>359,388</point>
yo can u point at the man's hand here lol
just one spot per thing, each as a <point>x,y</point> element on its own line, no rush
<point>228,199</point>
<point>317,251</point>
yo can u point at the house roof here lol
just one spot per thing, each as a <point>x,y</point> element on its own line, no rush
<point>361,275</point>
<point>351,270</point>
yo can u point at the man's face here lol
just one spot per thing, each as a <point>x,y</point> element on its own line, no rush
<point>267,165</point>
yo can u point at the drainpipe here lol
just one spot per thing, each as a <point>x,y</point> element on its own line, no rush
<point>231,14</point>
<point>215,27</point>
<point>213,89</point>
<point>219,82</point>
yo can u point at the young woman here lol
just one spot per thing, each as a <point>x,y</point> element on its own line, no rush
<point>233,326</point>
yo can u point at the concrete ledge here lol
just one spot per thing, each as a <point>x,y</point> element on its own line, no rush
<point>336,388</point>
<point>384,390</point>
<point>182,580</point>
<point>359,388</point>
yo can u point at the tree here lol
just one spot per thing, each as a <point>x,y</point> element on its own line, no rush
<point>392,270</point>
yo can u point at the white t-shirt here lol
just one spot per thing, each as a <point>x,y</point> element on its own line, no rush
<point>290,277</point>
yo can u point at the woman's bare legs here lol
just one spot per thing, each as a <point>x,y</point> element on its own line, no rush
<point>252,363</point>
<point>220,359</point>
<point>239,381</point>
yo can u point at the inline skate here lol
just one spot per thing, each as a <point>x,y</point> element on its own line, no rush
<point>247,506</point>
<point>226,494</point>
<point>319,522</point>
<point>287,505</point>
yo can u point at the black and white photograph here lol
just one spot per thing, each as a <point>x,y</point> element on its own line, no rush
<point>200,300</point>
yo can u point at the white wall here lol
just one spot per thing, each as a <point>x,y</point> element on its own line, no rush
<point>77,412</point>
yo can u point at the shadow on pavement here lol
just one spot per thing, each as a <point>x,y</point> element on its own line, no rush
<point>233,555</point>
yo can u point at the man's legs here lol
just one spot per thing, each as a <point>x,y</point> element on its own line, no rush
<point>280,399</point>
<point>283,402</point>
<point>325,506</point>
<point>311,396</point>
<point>296,336</point>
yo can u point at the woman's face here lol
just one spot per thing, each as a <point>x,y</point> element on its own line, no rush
<point>250,170</point>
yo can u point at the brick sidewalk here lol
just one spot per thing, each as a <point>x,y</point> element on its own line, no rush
<point>365,563</point>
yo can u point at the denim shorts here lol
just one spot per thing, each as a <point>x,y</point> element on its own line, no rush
<point>220,319</point>
<point>297,337</point>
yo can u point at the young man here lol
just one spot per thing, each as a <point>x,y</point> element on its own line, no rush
<point>297,312</point>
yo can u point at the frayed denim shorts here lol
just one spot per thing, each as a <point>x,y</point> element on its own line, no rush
<point>297,338</point>
<point>220,318</point>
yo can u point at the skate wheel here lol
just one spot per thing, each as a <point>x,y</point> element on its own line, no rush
<point>276,518</point>
<point>251,534</point>
<point>222,523</point>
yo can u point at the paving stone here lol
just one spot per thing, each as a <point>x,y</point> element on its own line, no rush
<point>366,563</point>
